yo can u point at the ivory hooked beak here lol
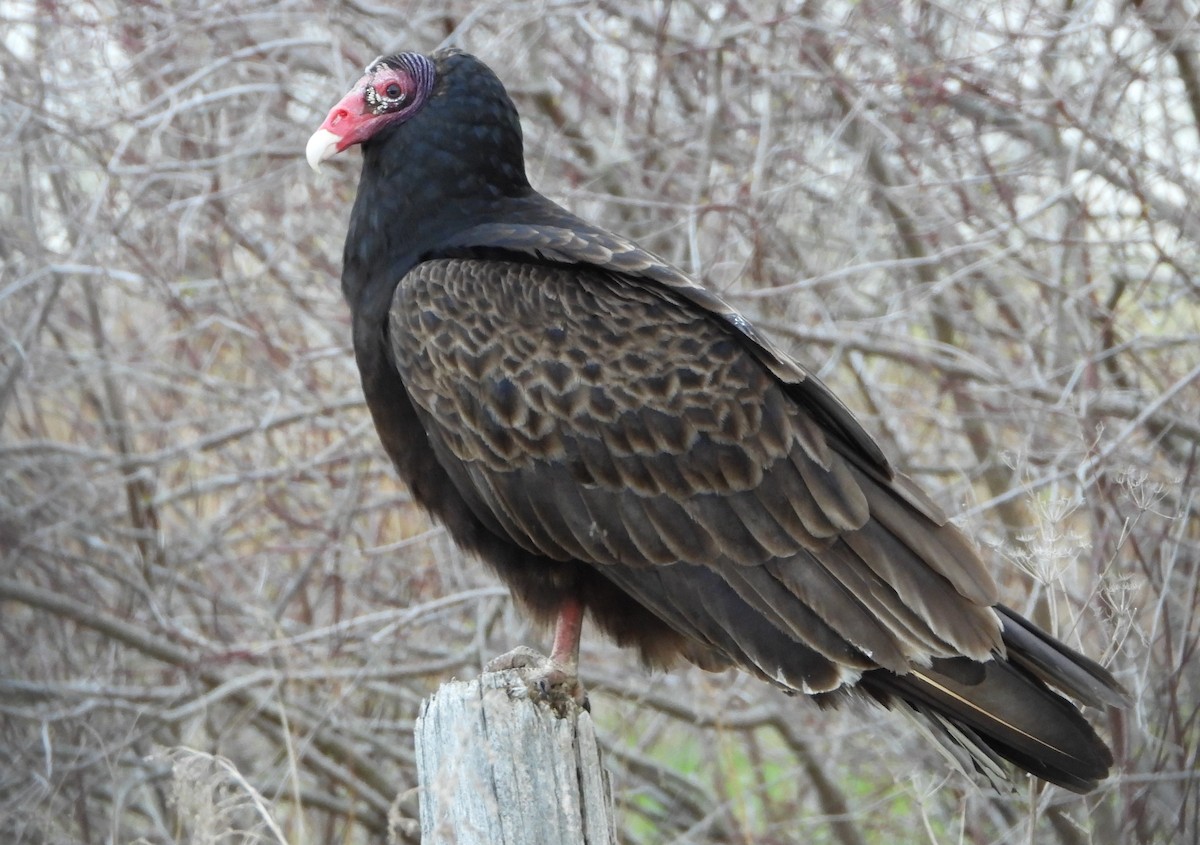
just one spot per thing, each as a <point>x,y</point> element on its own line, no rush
<point>322,145</point>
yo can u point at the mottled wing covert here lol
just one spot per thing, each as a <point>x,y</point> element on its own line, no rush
<point>555,234</point>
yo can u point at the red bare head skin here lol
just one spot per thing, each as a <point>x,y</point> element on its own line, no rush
<point>391,90</point>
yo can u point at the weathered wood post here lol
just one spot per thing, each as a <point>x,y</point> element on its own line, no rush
<point>499,769</point>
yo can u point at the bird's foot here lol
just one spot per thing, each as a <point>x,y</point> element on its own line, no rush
<point>544,679</point>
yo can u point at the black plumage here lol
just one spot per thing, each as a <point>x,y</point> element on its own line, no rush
<point>611,437</point>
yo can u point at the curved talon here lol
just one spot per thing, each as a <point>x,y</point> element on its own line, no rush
<point>543,679</point>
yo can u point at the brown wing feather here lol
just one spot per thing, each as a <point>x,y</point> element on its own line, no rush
<point>624,427</point>
<point>544,230</point>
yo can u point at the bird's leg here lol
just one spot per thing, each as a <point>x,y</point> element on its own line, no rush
<point>554,679</point>
<point>568,630</point>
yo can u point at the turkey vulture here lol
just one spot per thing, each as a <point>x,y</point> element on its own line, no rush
<point>614,439</point>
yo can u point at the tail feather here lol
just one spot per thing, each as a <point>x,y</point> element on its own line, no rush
<point>1006,707</point>
<point>961,747</point>
<point>1057,665</point>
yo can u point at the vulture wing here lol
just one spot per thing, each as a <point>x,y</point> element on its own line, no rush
<point>593,416</point>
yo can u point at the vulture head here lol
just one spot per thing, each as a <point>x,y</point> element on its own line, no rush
<point>447,111</point>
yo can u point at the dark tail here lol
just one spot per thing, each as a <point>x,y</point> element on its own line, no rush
<point>1008,709</point>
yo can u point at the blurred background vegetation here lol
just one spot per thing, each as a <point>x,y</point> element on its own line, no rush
<point>219,612</point>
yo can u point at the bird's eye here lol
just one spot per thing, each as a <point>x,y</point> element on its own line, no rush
<point>393,91</point>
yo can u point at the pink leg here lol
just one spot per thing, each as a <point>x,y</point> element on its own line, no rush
<point>567,632</point>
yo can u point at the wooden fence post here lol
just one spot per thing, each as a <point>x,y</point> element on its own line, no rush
<point>499,769</point>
